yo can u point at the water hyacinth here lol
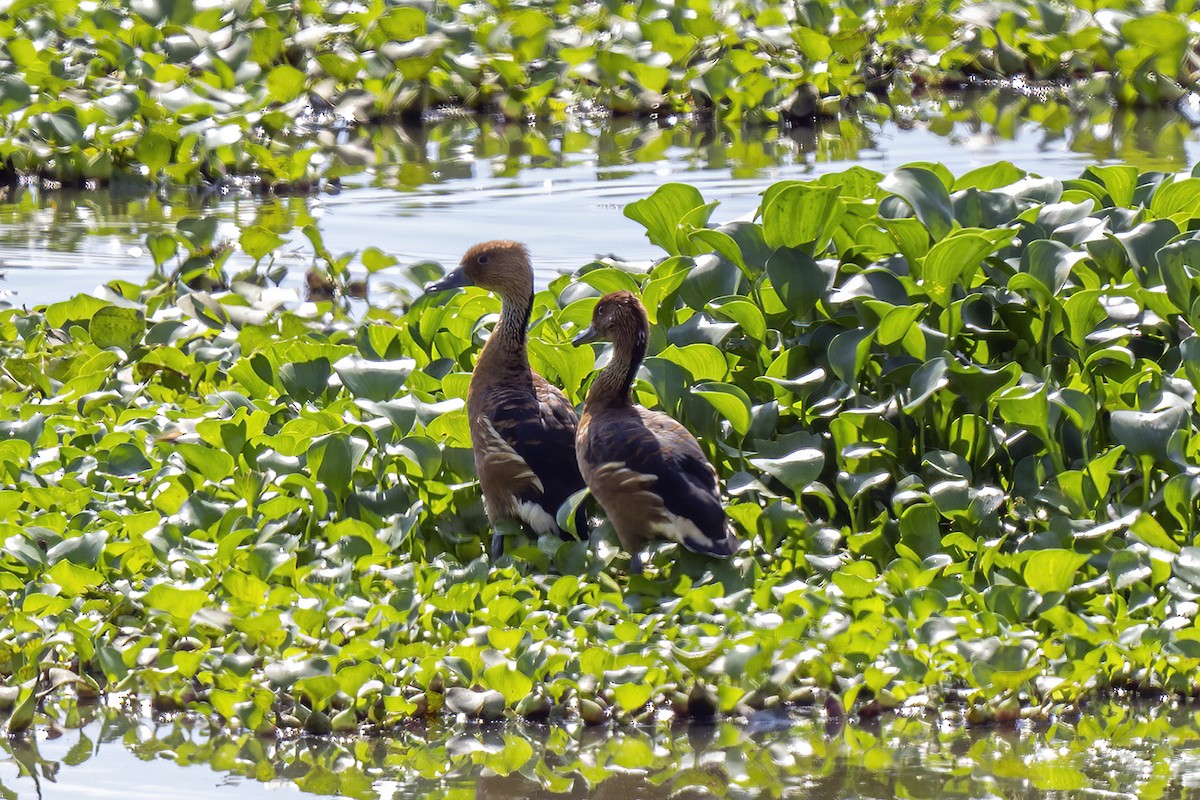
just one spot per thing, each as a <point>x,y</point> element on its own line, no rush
<point>170,91</point>
<point>954,417</point>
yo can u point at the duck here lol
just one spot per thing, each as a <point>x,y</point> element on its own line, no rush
<point>522,427</point>
<point>645,469</point>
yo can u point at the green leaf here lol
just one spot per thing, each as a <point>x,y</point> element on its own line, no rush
<point>1127,567</point>
<point>610,279</point>
<point>22,714</point>
<point>79,309</point>
<point>403,23</point>
<point>632,696</point>
<point>1119,179</point>
<point>897,322</point>
<point>74,579</point>
<point>744,313</point>
<point>849,351</point>
<point>505,679</point>
<point>797,469</point>
<point>1146,433</point>
<point>954,261</point>
<point>703,362</point>
<point>798,279</point>
<point>126,459</point>
<point>179,603</point>
<point>114,326</point>
<point>334,458</point>
<point>928,379</point>
<point>1053,570</point>
<point>375,259</point>
<point>662,213</point>
<point>285,83</point>
<point>215,465</point>
<point>199,232</point>
<point>1050,263</point>
<point>710,276</point>
<point>154,151</point>
<point>120,105</point>
<point>925,194</point>
<point>1028,407</point>
<point>62,128</point>
<point>319,689</point>
<point>516,753</point>
<point>15,94</point>
<point>566,517</point>
<point>1166,36</point>
<point>1186,565</point>
<point>1178,199</point>
<point>1147,528</point>
<point>856,580</point>
<point>305,380</point>
<point>85,549</point>
<point>730,402</point>
<point>801,216</point>
<point>374,380</point>
<point>161,246</point>
<point>257,241</point>
<point>725,245</point>
<point>990,176</point>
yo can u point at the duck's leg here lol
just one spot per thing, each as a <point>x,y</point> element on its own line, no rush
<point>500,529</point>
<point>497,542</point>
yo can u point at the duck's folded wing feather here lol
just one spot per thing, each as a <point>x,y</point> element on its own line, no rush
<point>504,465</point>
<point>539,427</point>
<point>653,444</point>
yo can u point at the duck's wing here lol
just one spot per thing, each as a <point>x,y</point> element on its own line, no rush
<point>653,458</point>
<point>532,439</point>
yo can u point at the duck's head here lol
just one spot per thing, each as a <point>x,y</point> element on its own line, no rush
<point>499,266</point>
<point>620,318</point>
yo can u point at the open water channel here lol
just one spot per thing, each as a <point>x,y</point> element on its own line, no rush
<point>562,187</point>
<point>428,194</point>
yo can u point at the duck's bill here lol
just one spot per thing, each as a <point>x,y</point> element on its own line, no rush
<point>452,280</point>
<point>588,335</point>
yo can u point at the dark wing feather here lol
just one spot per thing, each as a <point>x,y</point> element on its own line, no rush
<point>540,426</point>
<point>654,444</point>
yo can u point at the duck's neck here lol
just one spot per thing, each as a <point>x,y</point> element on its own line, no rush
<point>505,348</point>
<point>612,387</point>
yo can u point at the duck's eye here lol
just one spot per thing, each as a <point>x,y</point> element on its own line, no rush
<point>482,259</point>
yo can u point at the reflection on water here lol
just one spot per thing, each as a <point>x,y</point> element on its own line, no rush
<point>1113,750</point>
<point>428,192</point>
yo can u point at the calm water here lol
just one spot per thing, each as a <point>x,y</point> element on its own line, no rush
<point>1110,752</point>
<point>561,188</point>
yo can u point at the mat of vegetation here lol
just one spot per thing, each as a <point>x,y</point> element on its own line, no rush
<point>954,418</point>
<point>193,93</point>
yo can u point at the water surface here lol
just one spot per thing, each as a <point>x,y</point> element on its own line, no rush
<point>1114,750</point>
<point>429,192</point>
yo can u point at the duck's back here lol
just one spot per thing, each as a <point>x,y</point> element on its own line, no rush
<point>523,432</point>
<point>641,463</point>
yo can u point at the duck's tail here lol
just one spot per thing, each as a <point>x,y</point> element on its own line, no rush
<point>720,548</point>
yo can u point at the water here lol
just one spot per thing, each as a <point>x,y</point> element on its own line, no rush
<point>1114,750</point>
<point>561,187</point>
